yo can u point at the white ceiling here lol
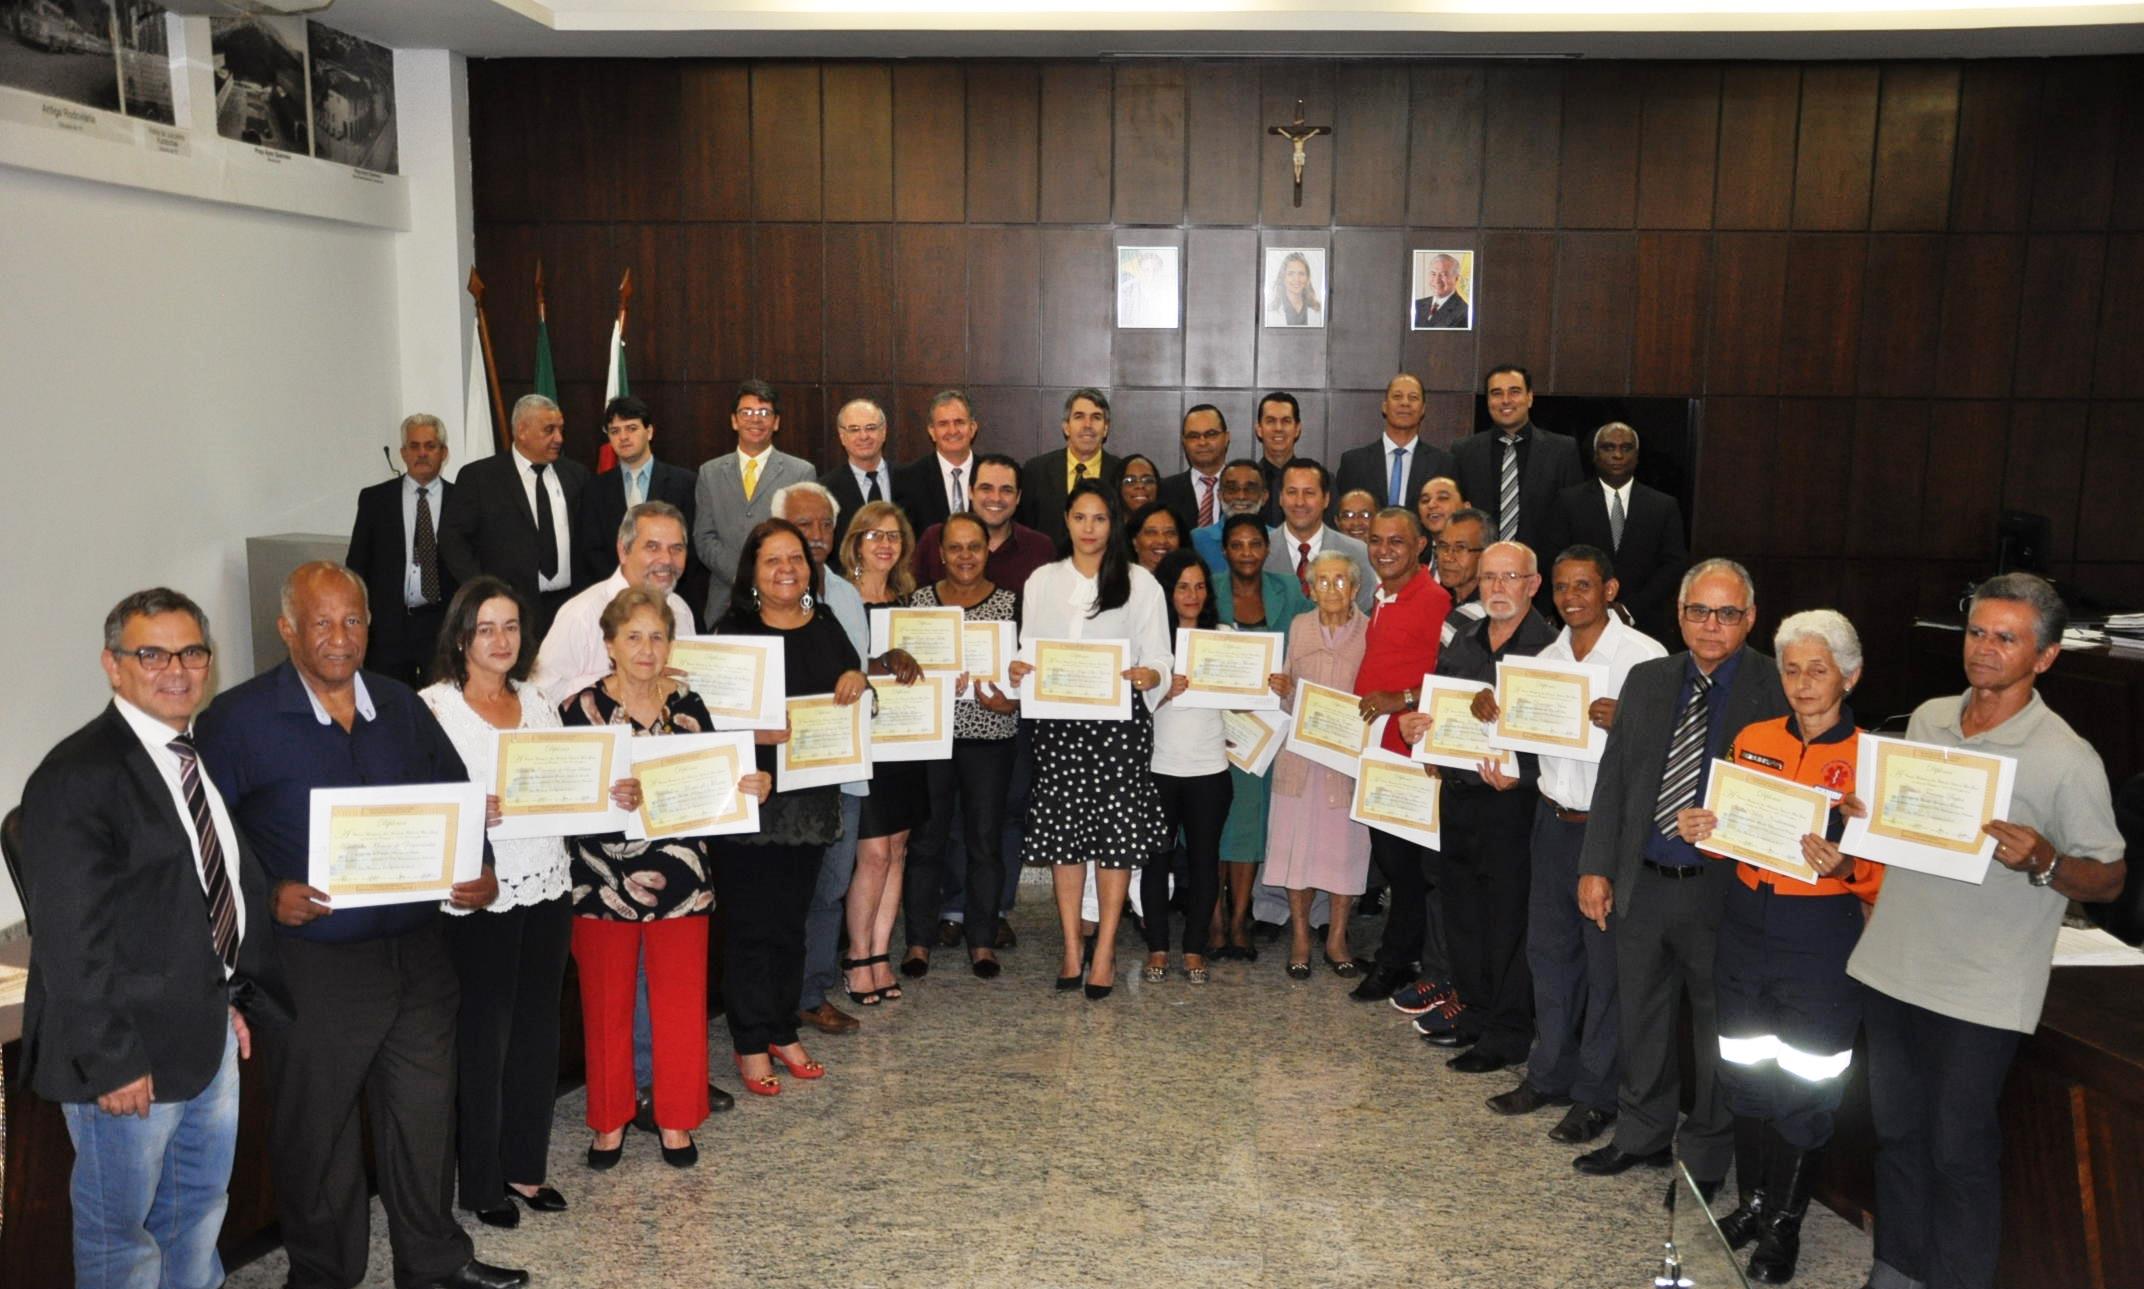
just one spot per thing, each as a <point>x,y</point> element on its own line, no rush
<point>1270,28</point>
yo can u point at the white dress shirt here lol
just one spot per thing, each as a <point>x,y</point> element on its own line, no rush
<point>561,522</point>
<point>412,575</point>
<point>1384,465</point>
<point>156,738</point>
<point>880,473</point>
<point>967,480</point>
<point>573,657</point>
<point>1608,496</point>
<point>1568,782</point>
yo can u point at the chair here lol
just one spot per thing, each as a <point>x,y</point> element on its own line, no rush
<point>11,848</point>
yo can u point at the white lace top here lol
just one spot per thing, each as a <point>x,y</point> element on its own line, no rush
<point>530,869</point>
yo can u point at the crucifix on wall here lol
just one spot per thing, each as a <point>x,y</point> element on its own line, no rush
<point>1297,133</point>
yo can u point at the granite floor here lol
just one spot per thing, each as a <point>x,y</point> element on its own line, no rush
<point>1241,1133</point>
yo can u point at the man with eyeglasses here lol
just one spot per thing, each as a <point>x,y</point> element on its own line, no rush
<point>1458,553</point>
<point>735,491</point>
<point>1242,492</point>
<point>1658,893</point>
<point>864,474</point>
<point>1194,495</point>
<point>1393,467</point>
<point>154,958</point>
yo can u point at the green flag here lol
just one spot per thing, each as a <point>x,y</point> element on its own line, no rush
<point>546,374</point>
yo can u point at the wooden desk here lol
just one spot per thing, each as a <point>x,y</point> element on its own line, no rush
<point>2098,691</point>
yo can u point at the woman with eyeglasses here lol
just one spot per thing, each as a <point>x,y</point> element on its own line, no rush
<point>1139,485</point>
<point>1355,511</point>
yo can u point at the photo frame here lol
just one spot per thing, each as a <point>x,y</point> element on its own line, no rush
<point>1442,292</point>
<point>1149,288</point>
<point>1291,287</point>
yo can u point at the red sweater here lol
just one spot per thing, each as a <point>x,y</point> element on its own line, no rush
<point>1401,647</point>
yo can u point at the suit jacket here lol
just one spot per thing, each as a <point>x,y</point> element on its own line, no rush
<point>1452,315</point>
<point>124,980</point>
<point>1366,467</point>
<point>722,517</point>
<point>921,489</point>
<point>1043,491</point>
<point>595,532</point>
<point>1180,493</point>
<point>1547,466</point>
<point>1637,756</point>
<point>491,528</point>
<point>401,637</point>
<point>841,481</point>
<point>1281,559</point>
<point>1650,562</point>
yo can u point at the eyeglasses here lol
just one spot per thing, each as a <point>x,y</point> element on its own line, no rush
<point>881,535</point>
<point>755,413</point>
<point>1330,581</point>
<point>1141,481</point>
<point>1455,548</point>
<point>1728,614</point>
<point>152,659</point>
<point>1507,579</point>
<point>1355,514</point>
<point>876,427</point>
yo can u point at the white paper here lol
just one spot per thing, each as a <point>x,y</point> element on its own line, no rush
<point>1265,700</point>
<point>769,714</point>
<point>1507,760</point>
<point>1006,647</point>
<point>1318,752</point>
<point>788,778</point>
<point>1602,685</point>
<point>1934,860</point>
<point>657,747</point>
<point>887,749</point>
<point>1254,739</point>
<point>2092,947</point>
<point>1033,708</point>
<point>468,837</point>
<point>1434,839</point>
<point>579,824</point>
<point>882,630</point>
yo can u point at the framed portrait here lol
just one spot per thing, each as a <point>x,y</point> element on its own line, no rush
<point>1443,295</point>
<point>1292,288</point>
<point>1147,287</point>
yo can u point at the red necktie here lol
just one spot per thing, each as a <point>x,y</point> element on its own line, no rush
<point>1206,502</point>
<point>1302,565</point>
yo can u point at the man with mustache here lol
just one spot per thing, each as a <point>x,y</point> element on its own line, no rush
<point>651,555</point>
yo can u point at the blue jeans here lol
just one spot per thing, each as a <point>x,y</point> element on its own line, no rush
<point>149,1194</point>
<point>822,919</point>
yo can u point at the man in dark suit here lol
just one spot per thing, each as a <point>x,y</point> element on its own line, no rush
<point>1046,480</point>
<point>1516,472</point>
<point>394,547</point>
<point>1278,429</point>
<point>1640,527</point>
<point>864,474</point>
<point>513,515</point>
<point>1443,309</point>
<point>1194,496</point>
<point>934,486</point>
<point>154,953</point>
<point>1637,866</point>
<point>640,476</point>
<point>1393,467</point>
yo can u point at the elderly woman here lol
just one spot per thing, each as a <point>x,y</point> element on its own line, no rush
<point>766,878</point>
<point>1191,772</point>
<point>1438,501</point>
<point>1787,1011</point>
<point>1311,844</point>
<point>1139,485</point>
<point>1353,513</point>
<point>1292,298</point>
<point>642,901</point>
<point>1151,533</point>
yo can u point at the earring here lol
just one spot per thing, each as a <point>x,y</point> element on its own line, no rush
<point>808,602</point>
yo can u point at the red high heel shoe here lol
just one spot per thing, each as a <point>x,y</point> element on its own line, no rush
<point>764,1086</point>
<point>805,1069</point>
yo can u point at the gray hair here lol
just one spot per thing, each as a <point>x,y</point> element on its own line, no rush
<point>415,419</point>
<point>287,602</point>
<point>1826,626</point>
<point>146,604</point>
<point>871,403</point>
<point>960,396</point>
<point>530,403</point>
<point>629,527</point>
<point>1345,561</point>
<point>1707,567</point>
<point>1092,395</point>
<point>2050,614</point>
<point>779,507</point>
<point>1614,425</point>
<point>1533,561</point>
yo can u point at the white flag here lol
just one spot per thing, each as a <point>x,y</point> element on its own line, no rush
<point>477,436</point>
<point>614,382</point>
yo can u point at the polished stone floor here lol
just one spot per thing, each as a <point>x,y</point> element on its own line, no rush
<point>1252,1131</point>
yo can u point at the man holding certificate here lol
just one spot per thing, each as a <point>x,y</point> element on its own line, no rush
<point>1957,971</point>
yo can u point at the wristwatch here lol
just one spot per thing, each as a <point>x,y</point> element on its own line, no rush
<point>2046,876</point>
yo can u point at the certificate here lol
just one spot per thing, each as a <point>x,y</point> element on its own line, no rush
<point>828,743</point>
<point>932,636</point>
<point>1763,819</point>
<point>1078,680</point>
<point>738,677</point>
<point>1253,739</point>
<point>1328,727</point>
<point>1926,804</point>
<point>1228,669</point>
<point>688,786</point>
<point>556,783</point>
<point>913,722</point>
<point>1393,794</point>
<point>1542,706</point>
<point>985,650</point>
<point>1455,739</point>
<point>394,845</point>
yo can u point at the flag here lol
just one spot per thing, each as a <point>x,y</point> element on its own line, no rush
<point>546,375</point>
<point>477,434</point>
<point>615,385</point>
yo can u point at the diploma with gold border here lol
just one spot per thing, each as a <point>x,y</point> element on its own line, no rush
<point>913,722</point>
<point>930,634</point>
<point>985,650</point>
<point>829,742</point>
<point>1926,804</point>
<point>1328,727</point>
<point>1396,795</point>
<point>738,677</point>
<point>1253,739</point>
<point>688,786</point>
<point>1455,739</point>
<point>394,845</point>
<point>1763,818</point>
<point>1228,670</point>
<point>1079,680</point>
<point>1543,706</point>
<point>556,782</point>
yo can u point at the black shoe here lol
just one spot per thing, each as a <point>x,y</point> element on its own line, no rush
<point>1005,938</point>
<point>1581,1124</point>
<point>950,933</point>
<point>1096,993</point>
<point>1319,934</point>
<point>1478,1062</point>
<point>644,1111</point>
<point>482,1275</point>
<point>605,1160</point>
<point>1451,1038</point>
<point>545,1200</point>
<point>1787,1176</point>
<point>506,1217</point>
<point>1266,931</point>
<point>1611,1159</point>
<point>916,968</point>
<point>1379,984</point>
<point>718,1100</point>
<point>985,968</point>
<point>1524,1099</point>
<point>684,1156</point>
<point>1752,1205</point>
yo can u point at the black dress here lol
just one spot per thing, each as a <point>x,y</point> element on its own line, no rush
<point>900,797</point>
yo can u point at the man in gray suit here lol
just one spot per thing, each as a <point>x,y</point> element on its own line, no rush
<point>1305,488</point>
<point>735,492</point>
<point>1637,866</point>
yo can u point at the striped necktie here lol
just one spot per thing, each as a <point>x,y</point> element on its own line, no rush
<point>222,908</point>
<point>1686,756</point>
<point>1507,499</point>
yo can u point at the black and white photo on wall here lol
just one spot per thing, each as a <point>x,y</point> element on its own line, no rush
<point>141,37</point>
<point>353,100</point>
<point>1294,286</point>
<point>95,53</point>
<point>1443,291</point>
<point>261,94</point>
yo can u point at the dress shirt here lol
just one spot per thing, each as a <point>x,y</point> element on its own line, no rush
<point>573,657</point>
<point>1285,541</point>
<point>1609,494</point>
<point>846,603</point>
<point>884,474</point>
<point>412,576</point>
<point>1055,606</point>
<point>1094,469</point>
<point>636,480</point>
<point>1566,781</point>
<point>1384,464</point>
<point>1674,852</point>
<point>156,739</point>
<point>561,521</point>
<point>967,480</point>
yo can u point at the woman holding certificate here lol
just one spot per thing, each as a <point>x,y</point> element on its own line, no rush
<point>1311,844</point>
<point>638,902</point>
<point>1094,797</point>
<point>1191,772</point>
<point>766,878</point>
<point>1787,1010</point>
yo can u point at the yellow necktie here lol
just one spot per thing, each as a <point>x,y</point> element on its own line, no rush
<point>751,477</point>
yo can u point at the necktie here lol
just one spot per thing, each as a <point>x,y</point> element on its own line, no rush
<point>1079,473</point>
<point>222,909</point>
<point>1206,502</point>
<point>1302,565</point>
<point>425,547</point>
<point>1615,520</point>
<point>1397,486</point>
<point>1686,756</point>
<point>546,529</point>
<point>872,493</point>
<point>960,501</point>
<point>751,477</point>
<point>1507,499</point>
<point>632,489</point>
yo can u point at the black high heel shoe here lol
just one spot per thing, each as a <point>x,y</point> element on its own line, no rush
<point>545,1200</point>
<point>1096,993</point>
<point>865,997</point>
<point>684,1156</point>
<point>604,1160</point>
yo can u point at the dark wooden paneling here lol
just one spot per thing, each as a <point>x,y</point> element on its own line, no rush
<point>1837,147</point>
<point>1736,461</point>
<point>1592,335</point>
<point>1075,144</point>
<point>1369,135</point>
<point>1142,356</point>
<point>581,282</point>
<point>1518,301</point>
<point>1221,312</point>
<point>1749,282</point>
<point>1351,420</point>
<point>1669,323</point>
<point>2046,468</point>
<point>1077,306</point>
<point>659,342</point>
<point>1149,143</point>
<point>1678,148</point>
<point>859,141</point>
<point>1885,475</point>
<point>1601,115</point>
<point>785,141</point>
<point>2058,315</point>
<point>1523,113</point>
<point>1441,360</point>
<point>2107,524</point>
<point>506,259</point>
<point>929,151</point>
<point>716,258</point>
<point>2128,206</point>
<point>1291,357</point>
<point>1901,315</point>
<point>1798,493</point>
<point>501,100</point>
<point>1002,312</point>
<point>1011,420</point>
<point>1820,325</point>
<point>787,302</point>
<point>1966,443</point>
<point>1279,86</point>
<point>1759,107</point>
<point>1979,338</point>
<point>1222,133</point>
<point>1916,139</point>
<point>1149,421</point>
<point>859,333</point>
<point>1994,175</point>
<point>1369,310</point>
<point>2079,125</point>
<point>930,304</point>
<point>1004,101</point>
<point>714,148</point>
<point>1444,152</point>
<point>2119,373</point>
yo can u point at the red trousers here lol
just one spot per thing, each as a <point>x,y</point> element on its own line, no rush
<point>607,955</point>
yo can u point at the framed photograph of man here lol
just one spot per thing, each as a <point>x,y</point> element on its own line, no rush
<point>1147,295</point>
<point>1293,286</point>
<point>1443,291</point>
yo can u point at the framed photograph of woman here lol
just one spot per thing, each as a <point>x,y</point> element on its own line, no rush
<point>1443,291</point>
<point>1293,286</point>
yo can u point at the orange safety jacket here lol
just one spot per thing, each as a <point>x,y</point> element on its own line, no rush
<point>1776,747</point>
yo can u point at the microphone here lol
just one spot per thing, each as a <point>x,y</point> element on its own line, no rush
<point>390,461</point>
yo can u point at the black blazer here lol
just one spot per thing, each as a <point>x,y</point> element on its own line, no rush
<point>1548,465</point>
<point>1365,468</point>
<point>1180,493</point>
<point>377,555</point>
<point>841,481</point>
<point>123,979</point>
<point>1651,561</point>
<point>919,489</point>
<point>491,529</point>
<point>595,529</point>
<point>1043,491</point>
<point>1453,315</point>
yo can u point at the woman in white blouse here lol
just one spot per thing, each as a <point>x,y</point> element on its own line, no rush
<point>1191,773</point>
<point>1094,799</point>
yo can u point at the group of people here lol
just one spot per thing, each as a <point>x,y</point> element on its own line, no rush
<point>1569,910</point>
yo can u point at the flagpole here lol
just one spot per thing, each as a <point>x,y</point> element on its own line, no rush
<point>491,365</point>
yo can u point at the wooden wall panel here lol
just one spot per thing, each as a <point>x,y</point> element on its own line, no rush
<point>2107,524</point>
<point>785,141</point>
<point>1220,316</point>
<point>859,141</point>
<point>1602,111</point>
<point>1292,357</point>
<point>1004,103</point>
<point>859,310</point>
<point>1369,134</point>
<point>500,101</point>
<point>1003,317</point>
<point>1739,436</point>
<point>1523,114</point>
<point>1444,153</point>
<point>1518,293</point>
<point>1979,336</point>
<point>1149,143</point>
<point>1279,86</point>
<point>1803,505</point>
<point>714,179</point>
<point>1916,141</point>
<point>929,147</point>
<point>2127,211</point>
<point>1885,475</point>
<point>930,304</point>
<point>2080,121</point>
<point>1901,318</point>
<point>716,258</point>
<point>788,302</point>
<point>1837,147</point>
<point>1669,323</point>
<point>1369,307</point>
<point>1075,144</point>
<point>1149,421</point>
<point>1441,360</point>
<point>1351,420</point>
<point>2058,314</point>
<point>1760,105</point>
<point>1078,305</point>
<point>1820,325</point>
<point>1749,283</point>
<point>1222,136</point>
<point>2119,372</point>
<point>1969,439</point>
<point>2046,469</point>
<point>1591,339</point>
<point>658,338</point>
<point>1012,421</point>
<point>1678,148</point>
<point>1143,357</point>
<point>1993,183</point>
<point>581,283</point>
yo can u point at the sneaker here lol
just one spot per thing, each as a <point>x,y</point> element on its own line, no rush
<point>1422,995</point>
<point>1440,1018</point>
